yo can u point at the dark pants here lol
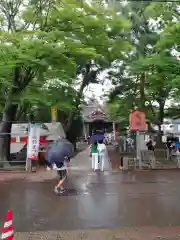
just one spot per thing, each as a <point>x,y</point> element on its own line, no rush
<point>121,162</point>
<point>62,174</point>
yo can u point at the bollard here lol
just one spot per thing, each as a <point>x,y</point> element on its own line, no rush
<point>125,163</point>
<point>140,163</point>
<point>177,154</point>
<point>153,161</point>
<point>178,160</point>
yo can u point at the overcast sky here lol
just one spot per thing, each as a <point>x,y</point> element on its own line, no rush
<point>99,90</point>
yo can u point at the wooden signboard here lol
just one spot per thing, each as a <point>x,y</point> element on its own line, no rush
<point>54,114</point>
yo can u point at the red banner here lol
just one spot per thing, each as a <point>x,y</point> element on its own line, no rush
<point>137,121</point>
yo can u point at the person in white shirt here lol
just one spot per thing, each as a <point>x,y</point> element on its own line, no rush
<point>103,156</point>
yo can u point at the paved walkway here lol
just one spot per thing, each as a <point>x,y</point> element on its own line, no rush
<point>142,205</point>
<point>81,162</point>
<point>78,163</point>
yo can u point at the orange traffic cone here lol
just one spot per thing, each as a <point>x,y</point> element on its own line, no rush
<point>8,233</point>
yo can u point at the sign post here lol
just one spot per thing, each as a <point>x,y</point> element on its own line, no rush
<point>114,130</point>
<point>137,123</point>
<point>33,145</point>
<point>54,114</point>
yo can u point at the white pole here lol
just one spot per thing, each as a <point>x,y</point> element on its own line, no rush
<point>114,130</point>
<point>138,152</point>
<point>84,131</point>
<point>28,162</point>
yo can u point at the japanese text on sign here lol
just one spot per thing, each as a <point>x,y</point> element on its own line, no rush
<point>33,141</point>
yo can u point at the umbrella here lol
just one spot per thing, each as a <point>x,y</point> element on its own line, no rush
<point>98,137</point>
<point>58,151</point>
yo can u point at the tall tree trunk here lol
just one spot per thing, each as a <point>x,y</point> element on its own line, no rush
<point>71,114</point>
<point>22,110</point>
<point>84,83</point>
<point>19,82</point>
<point>9,114</point>
<point>159,143</point>
<point>142,93</point>
<point>161,114</point>
<point>71,122</point>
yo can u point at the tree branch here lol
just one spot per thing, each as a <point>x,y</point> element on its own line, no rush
<point>10,11</point>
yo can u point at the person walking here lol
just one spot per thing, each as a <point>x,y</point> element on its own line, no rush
<point>103,156</point>
<point>62,170</point>
<point>58,157</point>
<point>94,154</point>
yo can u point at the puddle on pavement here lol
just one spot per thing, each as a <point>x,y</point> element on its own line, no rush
<point>70,192</point>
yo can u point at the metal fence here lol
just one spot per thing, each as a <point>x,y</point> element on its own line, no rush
<point>17,160</point>
<point>133,148</point>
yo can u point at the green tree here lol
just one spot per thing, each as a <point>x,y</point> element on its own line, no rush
<point>151,77</point>
<point>161,81</point>
<point>49,40</point>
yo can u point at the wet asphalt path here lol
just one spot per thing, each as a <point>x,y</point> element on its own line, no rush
<point>94,201</point>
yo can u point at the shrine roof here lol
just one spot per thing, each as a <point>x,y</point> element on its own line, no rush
<point>93,111</point>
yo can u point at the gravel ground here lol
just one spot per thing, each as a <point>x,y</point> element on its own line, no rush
<point>148,233</point>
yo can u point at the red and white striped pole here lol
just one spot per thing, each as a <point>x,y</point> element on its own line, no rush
<point>8,233</point>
